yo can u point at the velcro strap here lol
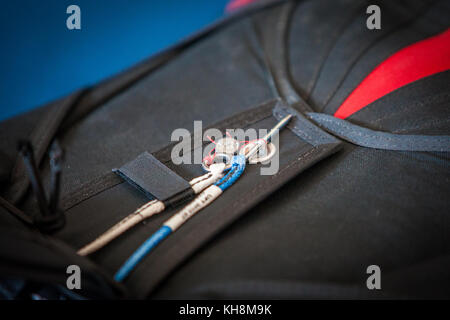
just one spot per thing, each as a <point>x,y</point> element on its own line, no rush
<point>152,177</point>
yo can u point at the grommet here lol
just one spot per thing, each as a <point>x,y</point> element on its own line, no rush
<point>266,153</point>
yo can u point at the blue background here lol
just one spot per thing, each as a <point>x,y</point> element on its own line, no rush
<point>42,60</point>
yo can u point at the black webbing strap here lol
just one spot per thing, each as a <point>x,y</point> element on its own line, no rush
<point>302,127</point>
<point>312,145</point>
<point>109,180</point>
<point>40,139</point>
<point>378,139</point>
<point>218,216</point>
<point>16,212</point>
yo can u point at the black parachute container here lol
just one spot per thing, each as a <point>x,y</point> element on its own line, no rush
<point>363,175</point>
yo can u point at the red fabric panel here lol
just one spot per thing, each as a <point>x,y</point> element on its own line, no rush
<point>416,61</point>
<point>237,4</point>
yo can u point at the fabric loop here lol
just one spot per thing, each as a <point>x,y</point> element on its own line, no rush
<point>365,137</point>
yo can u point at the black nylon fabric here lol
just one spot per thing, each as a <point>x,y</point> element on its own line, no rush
<point>341,52</point>
<point>42,261</point>
<point>419,108</point>
<point>315,236</point>
<point>297,154</point>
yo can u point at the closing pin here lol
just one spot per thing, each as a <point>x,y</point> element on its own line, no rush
<point>250,152</point>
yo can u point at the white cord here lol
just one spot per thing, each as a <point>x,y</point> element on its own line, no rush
<point>149,209</point>
<point>200,202</point>
<point>128,222</point>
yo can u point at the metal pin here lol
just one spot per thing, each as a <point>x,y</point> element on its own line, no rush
<point>258,144</point>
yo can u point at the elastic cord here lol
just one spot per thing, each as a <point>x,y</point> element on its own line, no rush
<point>201,201</point>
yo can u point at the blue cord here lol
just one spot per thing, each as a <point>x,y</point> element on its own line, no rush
<point>141,252</point>
<point>237,168</point>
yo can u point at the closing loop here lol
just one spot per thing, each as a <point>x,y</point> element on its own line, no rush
<point>218,158</point>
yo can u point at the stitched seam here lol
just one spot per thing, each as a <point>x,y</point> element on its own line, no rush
<point>90,189</point>
<point>106,182</point>
<point>400,26</point>
<point>330,48</point>
<point>434,122</point>
<point>206,142</point>
<point>164,153</point>
<point>424,101</point>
